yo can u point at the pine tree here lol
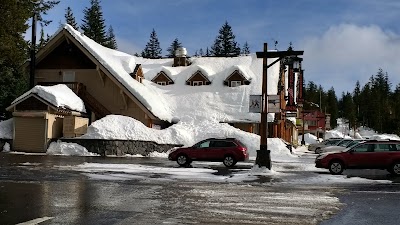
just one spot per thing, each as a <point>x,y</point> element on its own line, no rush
<point>14,48</point>
<point>208,53</point>
<point>201,53</point>
<point>70,19</point>
<point>245,49</point>
<point>173,47</point>
<point>111,42</point>
<point>225,44</point>
<point>152,49</point>
<point>93,24</point>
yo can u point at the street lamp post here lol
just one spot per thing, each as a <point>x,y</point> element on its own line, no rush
<point>303,142</point>
<point>263,158</point>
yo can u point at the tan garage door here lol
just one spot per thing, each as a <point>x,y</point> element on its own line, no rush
<point>29,134</point>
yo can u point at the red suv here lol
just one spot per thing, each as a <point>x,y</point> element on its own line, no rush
<point>227,150</point>
<point>371,154</point>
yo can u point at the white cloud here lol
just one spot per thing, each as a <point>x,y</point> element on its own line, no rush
<point>346,53</point>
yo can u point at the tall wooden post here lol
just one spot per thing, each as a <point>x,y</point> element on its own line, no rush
<point>263,155</point>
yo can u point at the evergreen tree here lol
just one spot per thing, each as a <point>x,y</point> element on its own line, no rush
<point>70,19</point>
<point>111,42</point>
<point>93,25</point>
<point>201,53</point>
<point>208,53</point>
<point>332,107</point>
<point>152,49</point>
<point>225,44</point>
<point>14,49</point>
<point>245,49</point>
<point>173,47</point>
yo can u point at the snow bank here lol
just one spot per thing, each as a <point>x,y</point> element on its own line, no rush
<point>6,147</point>
<point>72,149</point>
<point>186,132</point>
<point>6,129</point>
<point>308,138</point>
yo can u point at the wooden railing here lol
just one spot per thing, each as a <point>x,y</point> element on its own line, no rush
<point>80,89</point>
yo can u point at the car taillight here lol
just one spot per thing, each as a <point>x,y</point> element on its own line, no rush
<point>242,149</point>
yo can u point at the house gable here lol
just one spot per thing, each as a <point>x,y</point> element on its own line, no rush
<point>162,79</point>
<point>66,56</point>
<point>103,71</point>
<point>137,73</point>
<point>236,79</point>
<point>198,79</point>
<point>31,104</point>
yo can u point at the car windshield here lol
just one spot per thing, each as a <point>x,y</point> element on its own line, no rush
<point>345,142</point>
<point>352,143</point>
<point>333,142</point>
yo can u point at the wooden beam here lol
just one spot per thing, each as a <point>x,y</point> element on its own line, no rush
<point>101,75</point>
<point>124,100</point>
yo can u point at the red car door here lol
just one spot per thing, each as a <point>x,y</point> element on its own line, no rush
<point>361,156</point>
<point>200,150</point>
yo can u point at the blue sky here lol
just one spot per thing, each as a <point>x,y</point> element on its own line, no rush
<point>343,40</point>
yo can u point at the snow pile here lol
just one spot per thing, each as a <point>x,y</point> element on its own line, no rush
<point>308,138</point>
<point>6,129</point>
<point>58,95</point>
<point>186,132</point>
<point>6,147</point>
<point>72,149</point>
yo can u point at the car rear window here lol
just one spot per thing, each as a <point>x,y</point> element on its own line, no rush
<point>241,143</point>
<point>223,144</point>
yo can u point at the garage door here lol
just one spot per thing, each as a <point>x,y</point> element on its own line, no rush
<point>29,134</point>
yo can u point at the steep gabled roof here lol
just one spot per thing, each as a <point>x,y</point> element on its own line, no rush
<point>58,96</point>
<point>118,65</point>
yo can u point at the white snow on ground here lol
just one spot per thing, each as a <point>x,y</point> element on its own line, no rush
<point>6,147</point>
<point>6,128</point>
<point>63,148</point>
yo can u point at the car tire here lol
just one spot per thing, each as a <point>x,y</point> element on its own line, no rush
<point>182,160</point>
<point>395,169</point>
<point>318,151</point>
<point>336,167</point>
<point>229,161</point>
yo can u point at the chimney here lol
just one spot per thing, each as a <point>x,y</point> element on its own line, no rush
<point>180,58</point>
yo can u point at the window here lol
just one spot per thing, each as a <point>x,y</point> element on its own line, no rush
<point>163,83</point>
<point>223,144</point>
<point>364,148</point>
<point>197,83</point>
<point>139,78</point>
<point>236,83</point>
<point>68,76</point>
<point>205,144</point>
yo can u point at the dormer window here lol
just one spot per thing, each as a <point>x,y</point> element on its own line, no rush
<point>236,83</point>
<point>197,83</point>
<point>198,79</point>
<point>236,79</point>
<point>162,79</point>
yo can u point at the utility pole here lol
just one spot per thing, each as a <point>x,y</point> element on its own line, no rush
<point>33,53</point>
<point>263,158</point>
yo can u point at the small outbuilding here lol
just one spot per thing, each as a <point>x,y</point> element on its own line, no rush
<point>41,114</point>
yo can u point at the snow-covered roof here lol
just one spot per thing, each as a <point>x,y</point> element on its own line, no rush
<point>174,102</point>
<point>60,96</point>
